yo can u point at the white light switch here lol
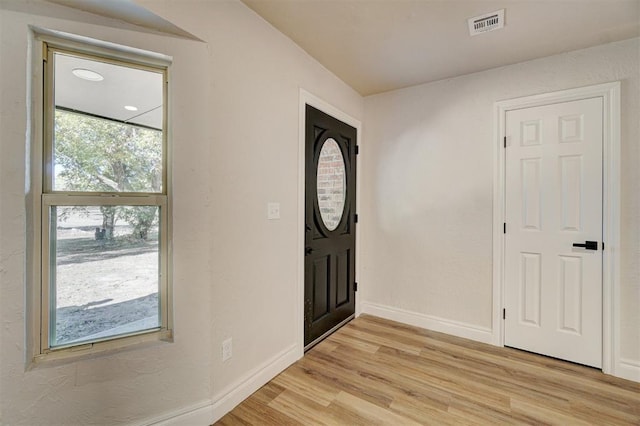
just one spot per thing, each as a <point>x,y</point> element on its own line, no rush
<point>273,211</point>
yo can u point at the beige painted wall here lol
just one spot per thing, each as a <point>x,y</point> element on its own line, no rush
<point>428,167</point>
<point>235,147</point>
<point>426,194</point>
<point>255,74</point>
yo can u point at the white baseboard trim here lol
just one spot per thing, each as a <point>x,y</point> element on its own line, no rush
<point>454,328</point>
<point>197,414</point>
<point>628,369</point>
<point>234,394</point>
<point>208,412</point>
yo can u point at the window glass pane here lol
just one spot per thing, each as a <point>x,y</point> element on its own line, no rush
<point>331,184</point>
<point>104,272</point>
<point>107,127</point>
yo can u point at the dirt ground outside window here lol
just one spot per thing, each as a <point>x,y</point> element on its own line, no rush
<point>104,287</point>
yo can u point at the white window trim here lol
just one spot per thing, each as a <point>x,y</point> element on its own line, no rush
<point>37,201</point>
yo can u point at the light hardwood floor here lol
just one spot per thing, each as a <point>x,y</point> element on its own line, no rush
<point>375,371</point>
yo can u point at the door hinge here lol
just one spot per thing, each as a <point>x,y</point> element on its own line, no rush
<point>307,313</point>
<point>357,149</point>
<point>504,314</point>
<point>505,141</point>
<point>355,286</point>
<point>355,218</point>
<point>504,228</point>
<point>45,49</point>
<point>603,245</point>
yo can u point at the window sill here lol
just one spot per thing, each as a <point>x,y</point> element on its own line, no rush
<point>55,357</point>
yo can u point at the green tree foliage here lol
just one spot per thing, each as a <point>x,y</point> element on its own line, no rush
<point>98,155</point>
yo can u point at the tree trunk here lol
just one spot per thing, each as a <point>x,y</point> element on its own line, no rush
<point>108,221</point>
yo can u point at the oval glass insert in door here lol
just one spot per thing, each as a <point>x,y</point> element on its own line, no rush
<point>331,184</point>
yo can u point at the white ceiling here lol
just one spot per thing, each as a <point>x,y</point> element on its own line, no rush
<point>380,45</point>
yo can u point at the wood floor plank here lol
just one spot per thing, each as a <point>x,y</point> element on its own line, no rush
<point>416,409</point>
<point>527,369</point>
<point>530,381</point>
<point>328,346</point>
<point>302,381</point>
<point>253,412</point>
<point>268,392</point>
<point>300,408</point>
<point>232,419</point>
<point>377,375</point>
<point>349,381</point>
<point>342,340</point>
<point>381,341</point>
<point>373,413</point>
<point>375,371</point>
<point>546,415</point>
<point>409,376</point>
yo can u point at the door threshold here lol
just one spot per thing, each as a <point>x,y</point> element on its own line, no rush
<point>325,335</point>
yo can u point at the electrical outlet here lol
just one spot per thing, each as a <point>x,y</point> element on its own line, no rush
<point>273,211</point>
<point>227,349</point>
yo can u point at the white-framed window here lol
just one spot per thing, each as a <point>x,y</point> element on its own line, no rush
<point>103,211</point>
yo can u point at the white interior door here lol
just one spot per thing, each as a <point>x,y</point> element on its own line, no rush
<point>553,290</point>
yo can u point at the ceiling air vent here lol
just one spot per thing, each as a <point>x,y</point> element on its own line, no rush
<point>487,22</point>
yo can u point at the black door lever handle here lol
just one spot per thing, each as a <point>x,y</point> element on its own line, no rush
<point>589,245</point>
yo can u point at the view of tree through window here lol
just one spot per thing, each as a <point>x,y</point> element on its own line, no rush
<point>105,197</point>
<point>106,256</point>
<point>97,155</point>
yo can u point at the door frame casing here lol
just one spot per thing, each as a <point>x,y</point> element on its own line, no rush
<point>307,98</point>
<point>610,94</point>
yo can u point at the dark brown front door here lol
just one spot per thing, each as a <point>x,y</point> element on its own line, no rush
<point>330,200</point>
